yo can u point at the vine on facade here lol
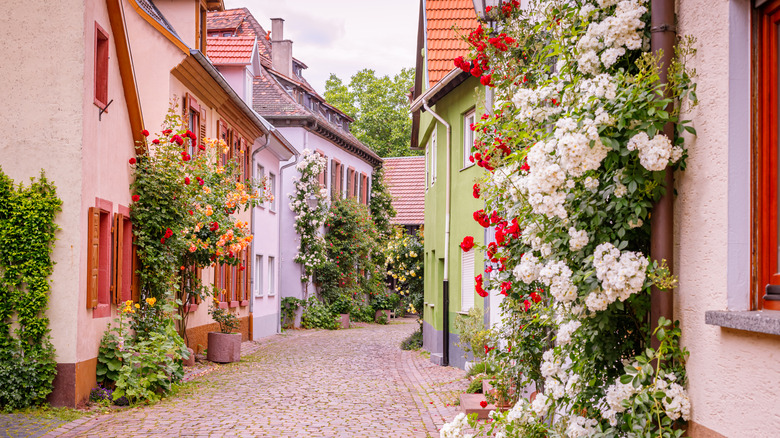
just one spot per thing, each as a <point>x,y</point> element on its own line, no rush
<point>27,234</point>
<point>576,154</point>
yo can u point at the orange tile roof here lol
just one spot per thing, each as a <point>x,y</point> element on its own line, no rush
<point>447,21</point>
<point>230,50</point>
<point>405,179</point>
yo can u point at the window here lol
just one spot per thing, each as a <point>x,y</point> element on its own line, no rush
<point>363,188</point>
<point>272,189</point>
<point>259,176</point>
<point>433,156</point>
<point>350,182</point>
<point>222,129</point>
<point>192,114</point>
<point>427,165</point>
<point>323,176</point>
<point>766,180</point>
<point>271,276</point>
<point>468,138</point>
<point>467,282</point>
<point>123,278</point>
<point>336,176</point>
<point>258,275</point>
<point>232,281</point>
<point>101,66</point>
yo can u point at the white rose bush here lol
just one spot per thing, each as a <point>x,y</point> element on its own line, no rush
<point>309,219</point>
<point>575,153</point>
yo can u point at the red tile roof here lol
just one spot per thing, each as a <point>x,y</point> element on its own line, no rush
<point>447,21</point>
<point>230,50</point>
<point>405,179</point>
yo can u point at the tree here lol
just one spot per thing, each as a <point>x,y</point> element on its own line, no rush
<point>380,108</point>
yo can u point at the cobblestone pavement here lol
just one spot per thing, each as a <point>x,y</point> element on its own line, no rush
<point>26,426</point>
<point>345,383</point>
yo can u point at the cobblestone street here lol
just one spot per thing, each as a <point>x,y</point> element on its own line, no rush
<point>345,383</point>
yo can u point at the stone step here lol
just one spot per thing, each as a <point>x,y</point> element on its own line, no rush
<point>471,403</point>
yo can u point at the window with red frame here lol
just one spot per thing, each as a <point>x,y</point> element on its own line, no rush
<point>363,188</point>
<point>336,176</point>
<point>765,293</point>
<point>350,182</point>
<point>101,66</point>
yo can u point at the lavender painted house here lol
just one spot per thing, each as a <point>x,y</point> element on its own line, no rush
<point>237,59</point>
<point>284,98</point>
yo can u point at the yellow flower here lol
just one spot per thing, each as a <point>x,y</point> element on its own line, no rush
<point>413,274</point>
<point>129,303</point>
<point>151,301</point>
<point>137,306</point>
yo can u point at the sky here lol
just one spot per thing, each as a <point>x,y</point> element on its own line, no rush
<point>343,36</point>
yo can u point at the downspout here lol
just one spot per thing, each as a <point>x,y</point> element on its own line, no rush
<point>279,242</point>
<point>252,223</point>
<point>662,37</point>
<point>445,361</point>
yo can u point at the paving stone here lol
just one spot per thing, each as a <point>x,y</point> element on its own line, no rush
<point>312,383</point>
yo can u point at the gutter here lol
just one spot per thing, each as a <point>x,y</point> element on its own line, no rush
<point>446,281</point>
<point>217,76</point>
<point>663,34</point>
<point>252,225</point>
<point>279,248</point>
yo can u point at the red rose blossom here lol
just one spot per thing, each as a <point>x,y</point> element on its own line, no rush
<point>136,198</point>
<point>187,180</point>
<point>485,80</point>
<point>475,191</point>
<point>214,226</point>
<point>145,133</point>
<point>483,403</point>
<point>156,141</point>
<point>467,244</point>
<point>132,160</point>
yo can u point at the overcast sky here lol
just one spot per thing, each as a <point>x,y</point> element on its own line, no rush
<point>343,36</point>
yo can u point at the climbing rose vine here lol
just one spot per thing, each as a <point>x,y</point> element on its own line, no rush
<point>309,218</point>
<point>575,152</point>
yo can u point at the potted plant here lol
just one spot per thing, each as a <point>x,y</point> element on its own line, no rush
<point>383,303</point>
<point>342,306</point>
<point>224,346</point>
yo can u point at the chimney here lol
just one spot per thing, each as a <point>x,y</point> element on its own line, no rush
<point>281,49</point>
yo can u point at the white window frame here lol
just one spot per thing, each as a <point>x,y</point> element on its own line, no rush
<point>258,284</point>
<point>259,176</point>
<point>427,165</point>
<point>272,185</point>
<point>271,276</point>
<point>467,281</point>
<point>468,137</point>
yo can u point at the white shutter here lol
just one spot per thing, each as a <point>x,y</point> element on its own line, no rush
<point>466,280</point>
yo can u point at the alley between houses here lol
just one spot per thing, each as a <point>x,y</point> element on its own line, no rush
<point>313,383</point>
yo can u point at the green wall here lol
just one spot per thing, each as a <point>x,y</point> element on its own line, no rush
<point>451,108</point>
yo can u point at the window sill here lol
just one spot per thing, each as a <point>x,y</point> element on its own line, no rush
<point>466,167</point>
<point>244,303</point>
<point>101,311</point>
<point>234,304</point>
<point>464,313</point>
<point>191,308</point>
<point>762,321</point>
<point>223,305</point>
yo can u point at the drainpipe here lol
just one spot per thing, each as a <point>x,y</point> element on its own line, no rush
<point>279,241</point>
<point>662,37</point>
<point>252,225</point>
<point>446,282</point>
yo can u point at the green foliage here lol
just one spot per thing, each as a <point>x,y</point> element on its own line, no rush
<point>380,108</point>
<point>228,323</point>
<point>381,205</point>
<point>317,315</point>
<point>350,266</point>
<point>472,333</point>
<point>309,218</point>
<point>361,312</point>
<point>289,306</point>
<point>405,263</point>
<point>27,234</point>
<point>385,301</point>
<point>342,304</point>
<point>142,366</point>
<point>414,341</point>
<point>475,387</point>
<point>183,212</point>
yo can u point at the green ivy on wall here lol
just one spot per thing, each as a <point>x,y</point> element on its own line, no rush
<point>27,229</point>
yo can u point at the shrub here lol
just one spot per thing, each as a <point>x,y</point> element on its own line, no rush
<point>289,306</point>
<point>317,315</point>
<point>414,341</point>
<point>228,323</point>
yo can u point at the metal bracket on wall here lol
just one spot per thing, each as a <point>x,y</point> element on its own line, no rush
<point>102,110</point>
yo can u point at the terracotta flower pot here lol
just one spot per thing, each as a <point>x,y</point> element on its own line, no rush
<point>344,320</point>
<point>191,360</point>
<point>379,312</point>
<point>224,347</point>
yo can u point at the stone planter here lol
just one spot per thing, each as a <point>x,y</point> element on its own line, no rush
<point>344,320</point>
<point>191,361</point>
<point>380,312</point>
<point>224,347</point>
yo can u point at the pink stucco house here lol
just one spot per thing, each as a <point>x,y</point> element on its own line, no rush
<point>78,116</point>
<point>284,97</point>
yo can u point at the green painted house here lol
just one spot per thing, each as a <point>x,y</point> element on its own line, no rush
<point>446,101</point>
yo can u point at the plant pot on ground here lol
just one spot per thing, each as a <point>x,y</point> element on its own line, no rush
<point>379,316</point>
<point>342,307</point>
<point>224,346</point>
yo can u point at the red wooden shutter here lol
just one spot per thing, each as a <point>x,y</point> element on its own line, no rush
<point>118,258</point>
<point>202,128</point>
<point>135,285</point>
<point>93,256</point>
